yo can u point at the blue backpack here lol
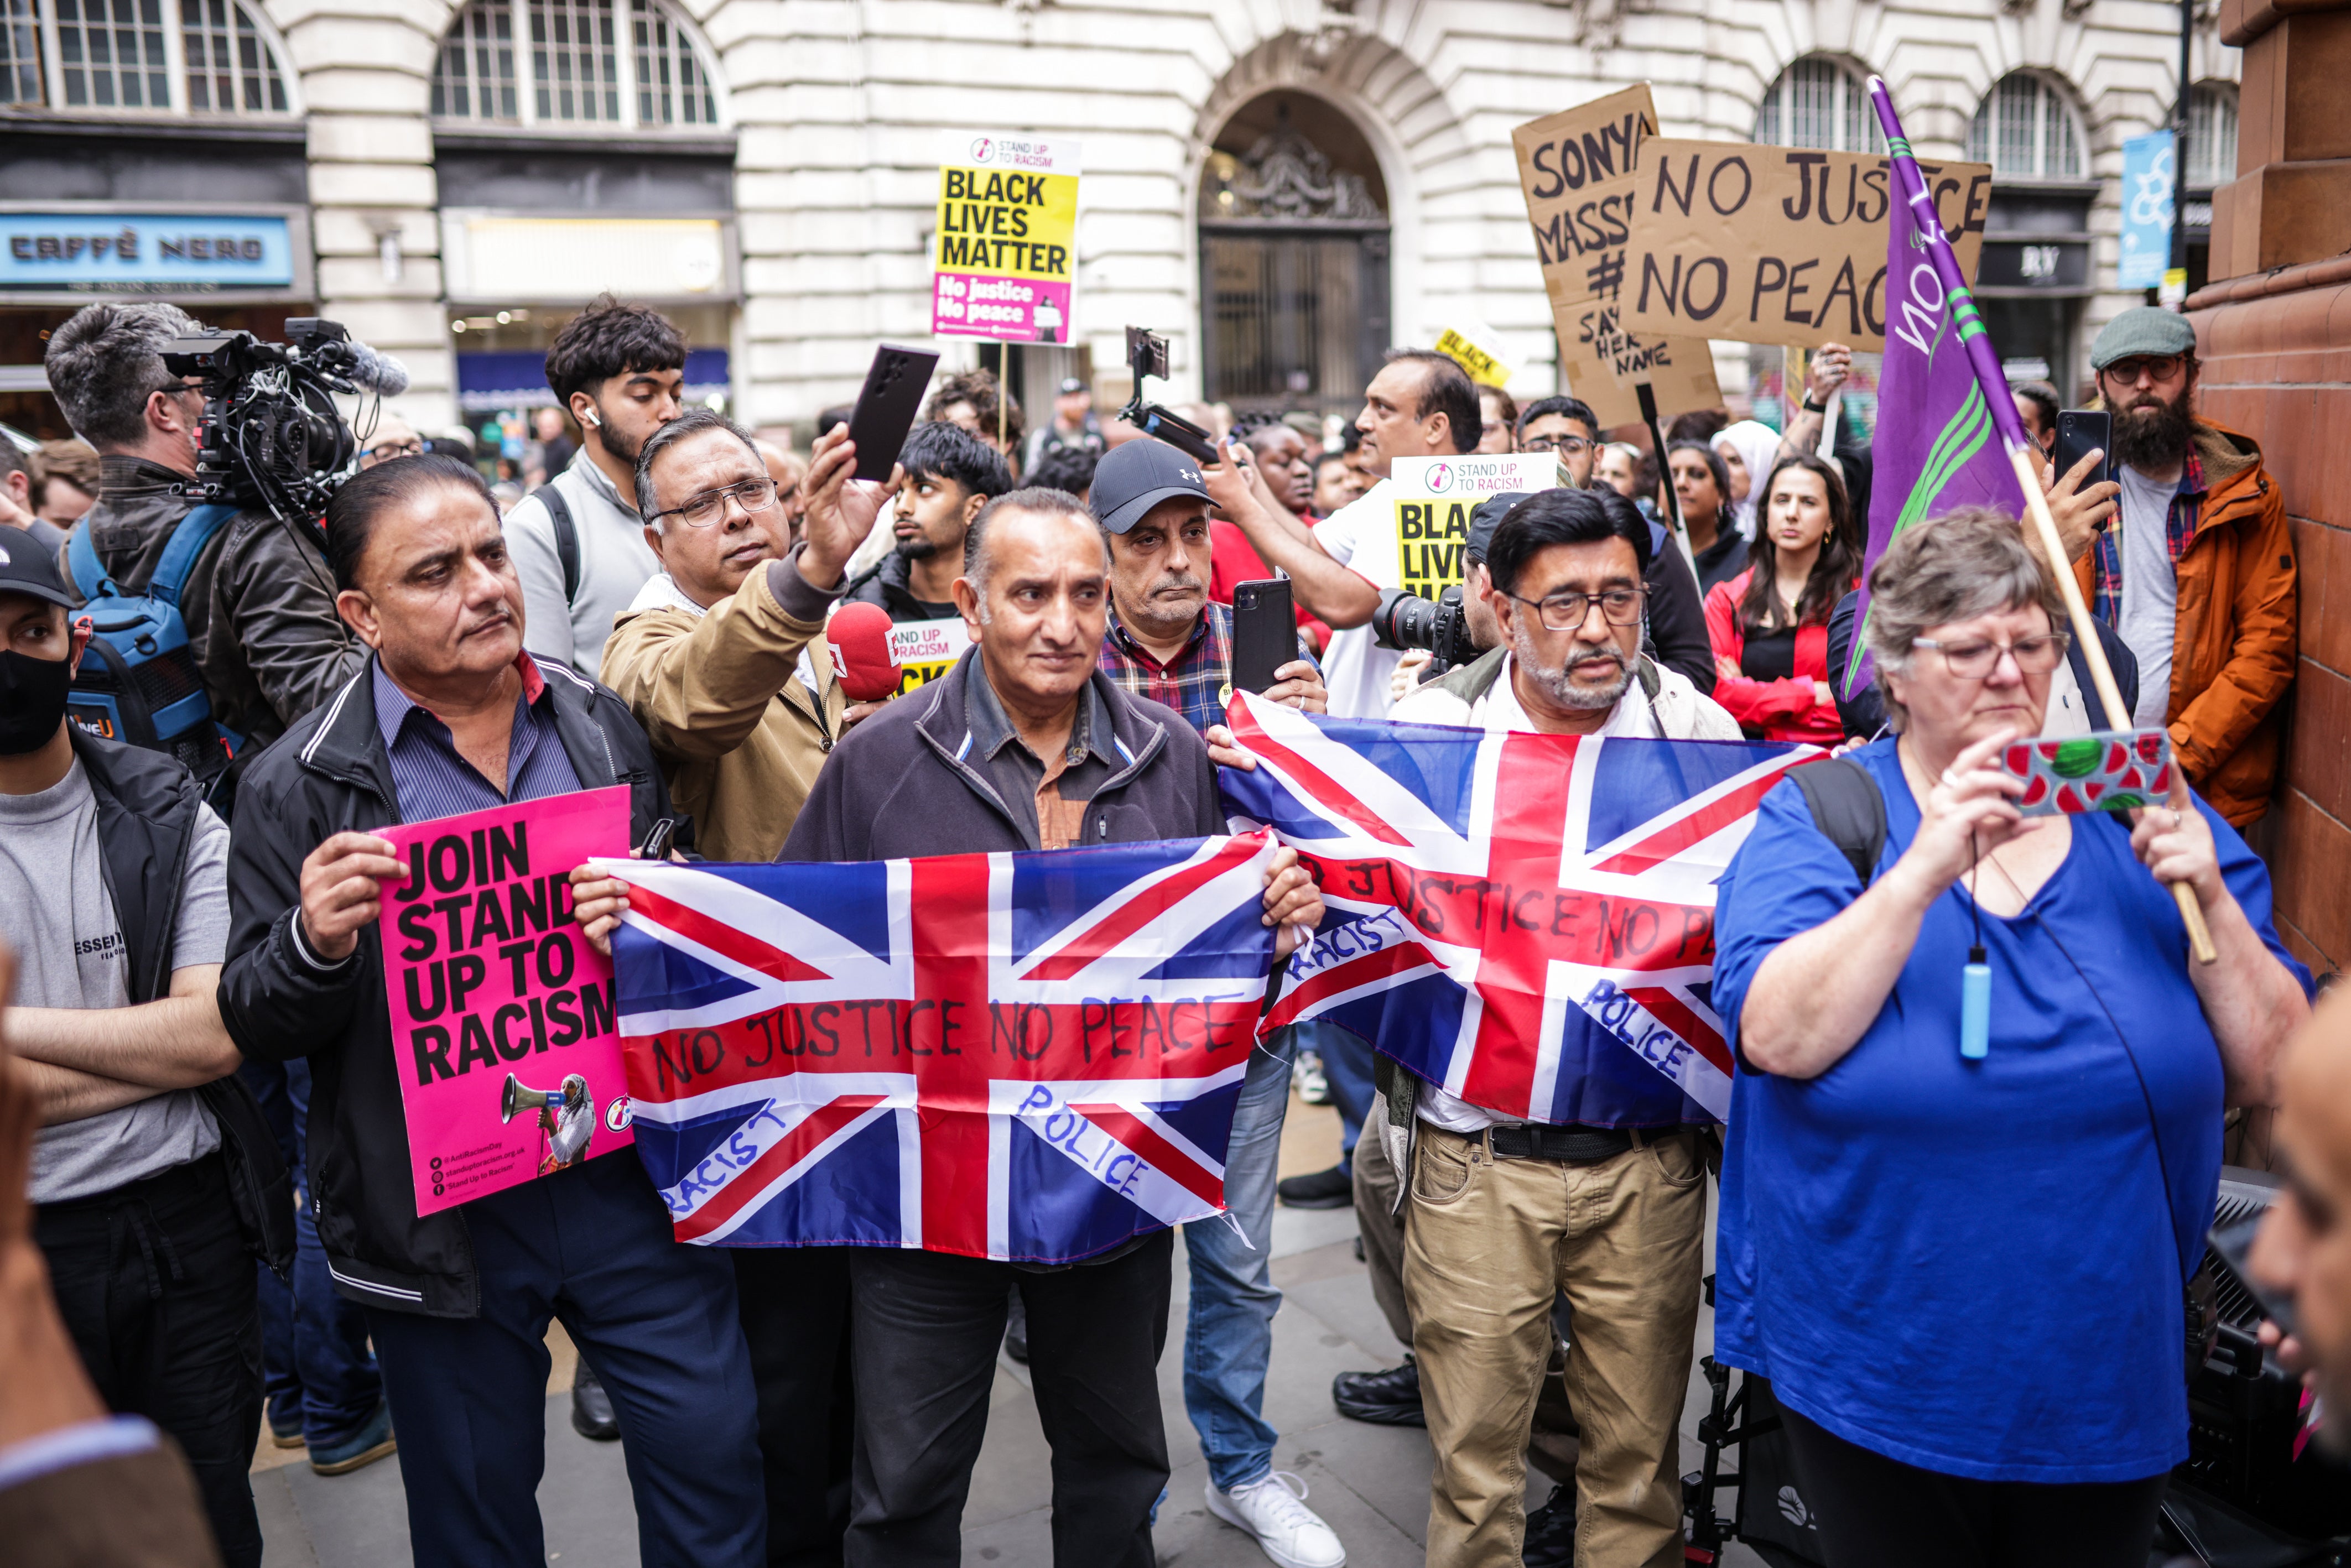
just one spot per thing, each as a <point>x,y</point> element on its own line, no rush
<point>139,682</point>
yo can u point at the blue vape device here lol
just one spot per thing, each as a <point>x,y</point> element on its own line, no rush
<point>1975,1007</point>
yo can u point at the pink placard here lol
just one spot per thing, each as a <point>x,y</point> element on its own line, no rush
<point>1008,309</point>
<point>501,1012</point>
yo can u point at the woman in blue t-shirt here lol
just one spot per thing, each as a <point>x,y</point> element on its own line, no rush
<point>1964,1277</point>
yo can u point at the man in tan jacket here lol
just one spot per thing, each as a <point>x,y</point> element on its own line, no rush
<point>720,656</point>
<point>721,659</point>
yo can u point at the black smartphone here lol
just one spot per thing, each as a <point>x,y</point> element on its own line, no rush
<point>1265,633</point>
<point>2080,432</point>
<point>885,409</point>
<point>659,841</point>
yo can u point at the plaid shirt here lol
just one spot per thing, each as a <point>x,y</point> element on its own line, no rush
<point>1197,681</point>
<point>2178,530</point>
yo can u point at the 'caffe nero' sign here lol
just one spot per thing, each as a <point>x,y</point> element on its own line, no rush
<point>183,251</point>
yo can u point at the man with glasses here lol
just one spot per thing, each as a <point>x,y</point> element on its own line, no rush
<point>1565,426</point>
<point>259,601</point>
<point>1503,1213</point>
<point>392,437</point>
<point>713,659</point>
<point>2195,568</point>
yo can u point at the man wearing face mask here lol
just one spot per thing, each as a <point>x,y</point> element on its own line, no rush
<point>259,602</point>
<point>114,894</point>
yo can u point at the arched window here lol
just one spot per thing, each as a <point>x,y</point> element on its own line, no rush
<point>627,64</point>
<point>2212,134</point>
<point>1819,102</point>
<point>186,57</point>
<point>2027,130</point>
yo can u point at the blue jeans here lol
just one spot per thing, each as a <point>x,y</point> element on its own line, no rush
<point>1228,1333</point>
<point>320,1375</point>
<point>1347,1067</point>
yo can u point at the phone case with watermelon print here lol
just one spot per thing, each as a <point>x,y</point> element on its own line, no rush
<point>2109,770</point>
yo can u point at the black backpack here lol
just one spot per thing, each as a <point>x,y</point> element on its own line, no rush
<point>1847,810</point>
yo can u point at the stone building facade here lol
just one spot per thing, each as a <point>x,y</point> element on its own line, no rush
<point>457,178</point>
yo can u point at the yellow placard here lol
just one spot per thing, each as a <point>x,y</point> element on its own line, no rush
<point>1485,367</point>
<point>926,650</point>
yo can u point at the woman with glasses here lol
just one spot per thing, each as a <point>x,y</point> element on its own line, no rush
<point>1500,414</point>
<point>1702,484</point>
<point>1770,624</point>
<point>1964,1274</point>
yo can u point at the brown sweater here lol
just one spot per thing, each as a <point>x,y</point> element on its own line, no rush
<point>739,735</point>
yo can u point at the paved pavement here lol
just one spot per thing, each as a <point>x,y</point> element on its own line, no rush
<point>1370,1482</point>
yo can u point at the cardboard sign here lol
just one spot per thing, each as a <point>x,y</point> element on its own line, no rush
<point>926,650</point>
<point>1468,349</point>
<point>1003,262</point>
<point>498,1001</point>
<point>1435,498</point>
<point>1578,169</point>
<point>1777,245</point>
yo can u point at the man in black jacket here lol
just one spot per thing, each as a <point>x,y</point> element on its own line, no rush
<point>114,891</point>
<point>452,716</point>
<point>1024,745</point>
<point>259,611</point>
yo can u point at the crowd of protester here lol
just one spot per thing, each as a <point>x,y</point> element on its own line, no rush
<point>207,1222</point>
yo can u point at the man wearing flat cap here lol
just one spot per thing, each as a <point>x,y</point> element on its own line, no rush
<point>2191,564</point>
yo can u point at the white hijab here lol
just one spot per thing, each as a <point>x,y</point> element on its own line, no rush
<point>1757,445</point>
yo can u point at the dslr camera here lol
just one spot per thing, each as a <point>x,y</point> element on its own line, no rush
<point>271,437</point>
<point>1441,625</point>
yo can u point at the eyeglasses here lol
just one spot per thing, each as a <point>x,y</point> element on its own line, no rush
<point>2155,367</point>
<point>1565,445</point>
<point>703,510</point>
<point>397,449</point>
<point>1568,611</point>
<point>1974,661</point>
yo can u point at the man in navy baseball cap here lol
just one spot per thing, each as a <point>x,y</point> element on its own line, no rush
<point>1137,477</point>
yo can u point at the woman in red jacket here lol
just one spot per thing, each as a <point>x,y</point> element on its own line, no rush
<point>1770,624</point>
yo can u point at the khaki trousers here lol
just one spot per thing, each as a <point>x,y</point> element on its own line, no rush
<point>1378,1222</point>
<point>1488,1244</point>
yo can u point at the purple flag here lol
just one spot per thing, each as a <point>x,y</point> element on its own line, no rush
<point>1938,445</point>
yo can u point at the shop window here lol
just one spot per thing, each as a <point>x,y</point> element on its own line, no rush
<point>1819,102</point>
<point>2026,130</point>
<point>2212,134</point>
<point>629,64</point>
<point>201,56</point>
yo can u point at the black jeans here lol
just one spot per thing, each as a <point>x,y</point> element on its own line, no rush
<point>1872,1510</point>
<point>156,1286</point>
<point>795,1307</point>
<point>927,1327</point>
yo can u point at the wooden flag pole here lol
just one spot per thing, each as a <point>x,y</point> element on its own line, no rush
<point>2021,453</point>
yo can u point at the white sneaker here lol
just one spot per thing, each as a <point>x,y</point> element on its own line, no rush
<point>1273,1510</point>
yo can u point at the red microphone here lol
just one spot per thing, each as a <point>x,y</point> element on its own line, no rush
<point>859,637</point>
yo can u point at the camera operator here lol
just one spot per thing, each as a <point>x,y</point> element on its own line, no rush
<point>259,604</point>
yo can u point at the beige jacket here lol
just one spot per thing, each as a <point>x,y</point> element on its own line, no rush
<point>736,730</point>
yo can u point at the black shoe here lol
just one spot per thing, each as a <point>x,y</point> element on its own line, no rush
<point>1390,1399</point>
<point>592,1407</point>
<point>1016,1328</point>
<point>1333,1188</point>
<point>1551,1532</point>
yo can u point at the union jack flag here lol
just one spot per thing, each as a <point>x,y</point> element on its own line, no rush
<point>1533,914</point>
<point>1016,1056</point>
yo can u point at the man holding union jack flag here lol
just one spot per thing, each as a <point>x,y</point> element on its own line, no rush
<point>1024,745</point>
<point>1532,957</point>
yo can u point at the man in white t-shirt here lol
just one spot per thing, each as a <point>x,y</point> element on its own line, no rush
<point>1421,404</point>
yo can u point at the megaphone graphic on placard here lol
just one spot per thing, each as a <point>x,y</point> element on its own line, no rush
<point>567,1115</point>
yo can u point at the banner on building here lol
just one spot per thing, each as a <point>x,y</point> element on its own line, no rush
<point>1579,170</point>
<point>2146,253</point>
<point>1434,499</point>
<point>1777,245</point>
<point>501,1012</point>
<point>1004,262</point>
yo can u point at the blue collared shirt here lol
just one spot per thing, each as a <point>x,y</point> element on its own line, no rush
<point>430,779</point>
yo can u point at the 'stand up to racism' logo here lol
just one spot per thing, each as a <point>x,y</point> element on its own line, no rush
<point>1440,478</point>
<point>983,150</point>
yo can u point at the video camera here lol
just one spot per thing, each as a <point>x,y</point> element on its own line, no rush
<point>1147,355</point>
<point>1441,625</point>
<point>271,436</point>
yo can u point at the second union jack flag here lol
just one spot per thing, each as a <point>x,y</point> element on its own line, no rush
<point>1534,924</point>
<point>1032,1057</point>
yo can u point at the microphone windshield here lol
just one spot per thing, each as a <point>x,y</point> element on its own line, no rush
<point>859,637</point>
